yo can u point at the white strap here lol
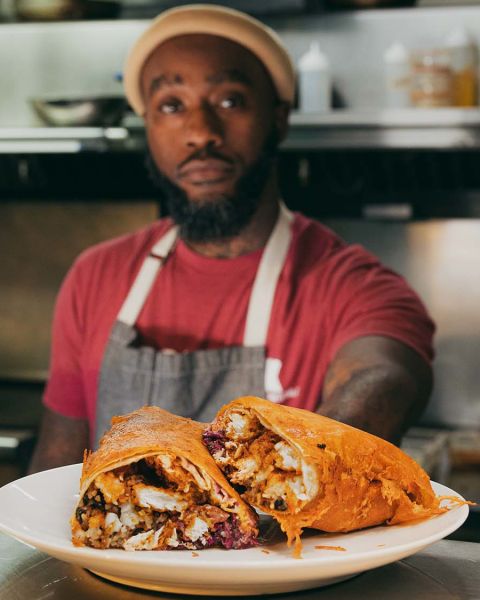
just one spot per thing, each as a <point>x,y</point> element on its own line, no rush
<point>146,276</point>
<point>265,285</point>
<point>263,291</point>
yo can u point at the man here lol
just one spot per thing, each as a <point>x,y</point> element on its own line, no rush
<point>234,294</point>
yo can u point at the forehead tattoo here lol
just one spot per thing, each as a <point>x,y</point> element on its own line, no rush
<point>224,76</point>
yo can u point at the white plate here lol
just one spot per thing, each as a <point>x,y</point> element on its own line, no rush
<point>36,510</point>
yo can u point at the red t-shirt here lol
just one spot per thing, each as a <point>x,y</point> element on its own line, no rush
<point>328,294</point>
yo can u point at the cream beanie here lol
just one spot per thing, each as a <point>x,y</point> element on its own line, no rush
<point>231,24</point>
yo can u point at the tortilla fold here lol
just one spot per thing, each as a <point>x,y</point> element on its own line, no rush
<point>307,470</point>
<point>152,485</point>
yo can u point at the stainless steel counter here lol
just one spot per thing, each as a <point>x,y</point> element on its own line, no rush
<point>446,570</point>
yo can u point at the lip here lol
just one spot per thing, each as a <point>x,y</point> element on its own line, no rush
<point>209,171</point>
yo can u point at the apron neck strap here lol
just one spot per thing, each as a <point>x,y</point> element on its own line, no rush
<point>265,285</point>
<point>263,291</point>
<point>146,276</point>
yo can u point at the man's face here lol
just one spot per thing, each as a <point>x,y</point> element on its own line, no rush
<point>212,119</point>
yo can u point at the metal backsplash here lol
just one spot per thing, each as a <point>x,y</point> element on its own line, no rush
<point>440,258</point>
<point>38,243</point>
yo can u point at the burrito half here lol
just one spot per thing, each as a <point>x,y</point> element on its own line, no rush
<point>310,471</point>
<point>152,485</point>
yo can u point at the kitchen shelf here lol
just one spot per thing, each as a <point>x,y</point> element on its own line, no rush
<point>339,129</point>
<point>386,129</point>
<point>405,117</point>
<point>62,140</point>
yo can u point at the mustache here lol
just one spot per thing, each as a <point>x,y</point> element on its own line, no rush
<point>205,154</point>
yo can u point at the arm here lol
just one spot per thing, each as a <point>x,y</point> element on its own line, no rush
<point>377,384</point>
<point>61,441</point>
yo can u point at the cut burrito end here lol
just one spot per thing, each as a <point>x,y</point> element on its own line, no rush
<point>171,496</point>
<point>310,471</point>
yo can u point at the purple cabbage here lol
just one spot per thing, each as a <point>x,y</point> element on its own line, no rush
<point>226,535</point>
<point>230,536</point>
<point>214,440</point>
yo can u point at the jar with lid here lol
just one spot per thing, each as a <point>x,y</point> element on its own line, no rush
<point>432,78</point>
<point>463,52</point>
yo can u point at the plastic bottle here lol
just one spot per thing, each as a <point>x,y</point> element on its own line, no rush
<point>315,83</point>
<point>463,54</point>
<point>397,76</point>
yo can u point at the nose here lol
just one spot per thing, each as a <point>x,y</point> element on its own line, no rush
<point>204,128</point>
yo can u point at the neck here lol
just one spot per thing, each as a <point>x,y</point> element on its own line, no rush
<point>253,237</point>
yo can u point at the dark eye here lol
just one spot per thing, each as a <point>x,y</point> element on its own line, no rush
<point>170,106</point>
<point>232,101</point>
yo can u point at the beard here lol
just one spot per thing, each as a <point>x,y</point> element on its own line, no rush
<point>224,216</point>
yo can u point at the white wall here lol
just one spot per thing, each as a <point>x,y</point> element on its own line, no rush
<point>66,59</point>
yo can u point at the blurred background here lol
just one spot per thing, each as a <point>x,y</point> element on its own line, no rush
<point>384,148</point>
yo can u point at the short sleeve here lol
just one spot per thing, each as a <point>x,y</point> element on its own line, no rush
<point>64,392</point>
<point>367,298</point>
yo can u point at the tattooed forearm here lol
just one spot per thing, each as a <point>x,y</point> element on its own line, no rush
<point>376,385</point>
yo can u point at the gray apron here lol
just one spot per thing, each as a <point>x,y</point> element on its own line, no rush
<point>191,384</point>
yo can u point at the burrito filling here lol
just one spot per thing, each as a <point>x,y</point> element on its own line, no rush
<point>264,467</point>
<point>159,503</point>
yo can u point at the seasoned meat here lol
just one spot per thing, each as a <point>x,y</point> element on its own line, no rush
<point>269,468</point>
<point>158,503</point>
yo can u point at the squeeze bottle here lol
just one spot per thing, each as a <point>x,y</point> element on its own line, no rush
<point>314,80</point>
<point>397,76</point>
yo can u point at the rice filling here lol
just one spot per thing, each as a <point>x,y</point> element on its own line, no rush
<point>158,503</point>
<point>266,468</point>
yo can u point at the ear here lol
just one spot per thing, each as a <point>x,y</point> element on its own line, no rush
<point>281,114</point>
